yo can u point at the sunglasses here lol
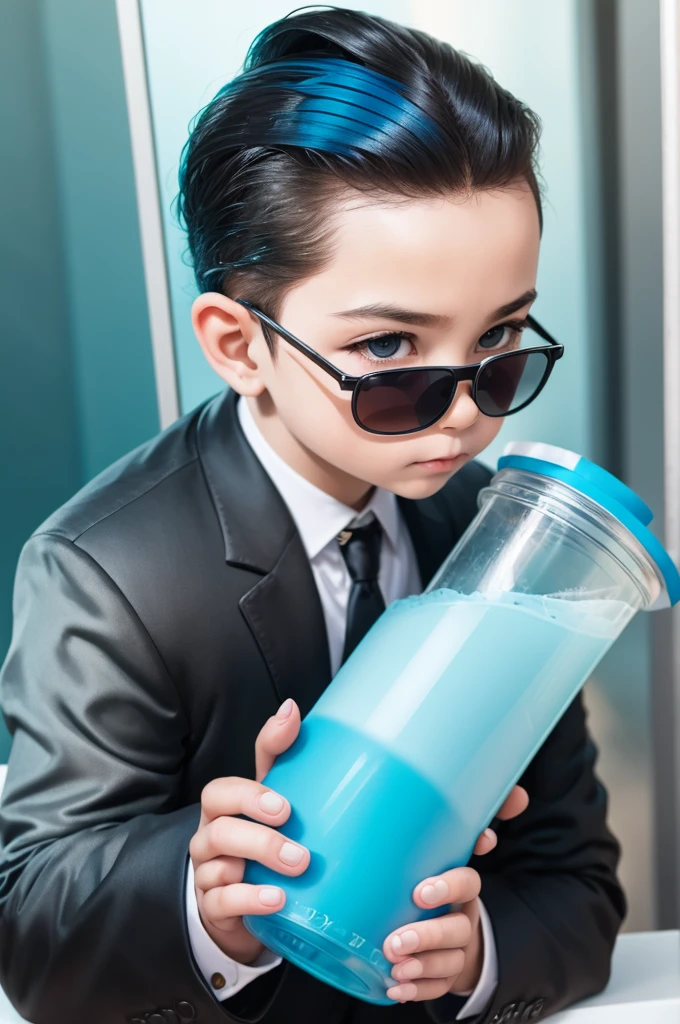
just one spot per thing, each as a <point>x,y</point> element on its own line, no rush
<point>405,401</point>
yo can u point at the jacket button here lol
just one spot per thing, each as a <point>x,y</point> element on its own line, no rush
<point>533,1011</point>
<point>218,980</point>
<point>186,1010</point>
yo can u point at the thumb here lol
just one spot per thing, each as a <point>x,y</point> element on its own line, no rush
<point>277,734</point>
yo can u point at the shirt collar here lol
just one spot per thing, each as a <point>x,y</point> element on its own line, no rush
<point>319,517</point>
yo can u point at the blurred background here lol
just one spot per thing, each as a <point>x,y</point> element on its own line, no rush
<point>96,348</point>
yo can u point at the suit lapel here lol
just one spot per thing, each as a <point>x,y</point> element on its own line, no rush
<point>285,615</point>
<point>282,606</point>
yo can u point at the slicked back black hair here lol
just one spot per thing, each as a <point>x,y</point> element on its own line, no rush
<point>329,102</point>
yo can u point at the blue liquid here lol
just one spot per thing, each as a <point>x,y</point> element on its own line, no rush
<point>408,755</point>
<point>341,907</point>
<point>466,688</point>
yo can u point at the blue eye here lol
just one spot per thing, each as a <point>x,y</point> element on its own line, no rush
<point>502,336</point>
<point>493,337</point>
<point>385,347</point>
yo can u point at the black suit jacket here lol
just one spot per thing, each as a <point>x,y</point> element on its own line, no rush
<point>158,620</point>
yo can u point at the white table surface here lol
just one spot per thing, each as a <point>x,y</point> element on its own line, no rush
<point>644,987</point>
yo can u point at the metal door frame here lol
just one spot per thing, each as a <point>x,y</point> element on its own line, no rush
<point>131,31</point>
<point>666,627</point>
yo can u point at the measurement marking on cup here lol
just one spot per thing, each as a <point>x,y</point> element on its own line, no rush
<point>317,919</point>
<point>357,941</point>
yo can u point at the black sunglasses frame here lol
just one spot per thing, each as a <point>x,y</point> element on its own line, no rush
<point>553,351</point>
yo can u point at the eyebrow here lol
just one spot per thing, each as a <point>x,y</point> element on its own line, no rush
<point>512,307</point>
<point>409,316</point>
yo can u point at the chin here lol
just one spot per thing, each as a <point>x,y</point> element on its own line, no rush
<point>422,488</point>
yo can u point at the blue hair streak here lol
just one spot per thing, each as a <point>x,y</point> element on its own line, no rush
<point>336,106</point>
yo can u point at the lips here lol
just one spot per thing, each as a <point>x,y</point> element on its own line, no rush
<point>441,458</point>
<point>441,465</point>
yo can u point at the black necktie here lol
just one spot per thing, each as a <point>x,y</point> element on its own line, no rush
<point>362,556</point>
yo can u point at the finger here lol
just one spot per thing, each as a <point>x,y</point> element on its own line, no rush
<point>418,991</point>
<point>235,837</point>
<point>276,735</point>
<point>486,842</point>
<point>459,885</point>
<point>442,963</point>
<point>448,932</point>
<point>219,871</point>
<point>224,903</point>
<point>234,795</point>
<point>517,801</point>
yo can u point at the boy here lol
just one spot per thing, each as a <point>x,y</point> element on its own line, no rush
<point>362,198</point>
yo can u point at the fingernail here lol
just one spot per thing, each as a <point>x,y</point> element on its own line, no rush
<point>285,709</point>
<point>291,854</point>
<point>402,992</point>
<point>269,895</point>
<point>270,802</point>
<point>435,892</point>
<point>406,942</point>
<point>489,833</point>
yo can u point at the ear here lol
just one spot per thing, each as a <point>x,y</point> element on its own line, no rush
<point>231,341</point>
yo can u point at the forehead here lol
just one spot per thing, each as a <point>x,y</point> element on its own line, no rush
<point>444,255</point>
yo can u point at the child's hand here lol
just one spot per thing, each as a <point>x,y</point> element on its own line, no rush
<point>445,954</point>
<point>222,844</point>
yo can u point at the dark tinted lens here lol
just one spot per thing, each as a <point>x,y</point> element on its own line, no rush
<point>509,382</point>
<point>401,400</point>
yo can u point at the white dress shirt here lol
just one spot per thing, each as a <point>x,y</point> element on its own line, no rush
<point>319,518</point>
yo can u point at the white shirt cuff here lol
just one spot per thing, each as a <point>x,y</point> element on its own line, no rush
<point>214,965</point>
<point>488,979</point>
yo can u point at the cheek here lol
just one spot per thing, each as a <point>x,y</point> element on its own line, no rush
<point>319,416</point>
<point>488,429</point>
<point>315,411</point>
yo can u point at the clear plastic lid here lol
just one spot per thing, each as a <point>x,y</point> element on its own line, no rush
<point>605,490</point>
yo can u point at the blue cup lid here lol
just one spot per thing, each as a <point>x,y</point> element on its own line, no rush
<point>605,490</point>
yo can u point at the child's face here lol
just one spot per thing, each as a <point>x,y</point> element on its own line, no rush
<point>459,259</point>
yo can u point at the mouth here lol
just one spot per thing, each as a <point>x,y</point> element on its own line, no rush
<point>444,465</point>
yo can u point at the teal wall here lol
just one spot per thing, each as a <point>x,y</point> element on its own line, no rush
<point>105,277</point>
<point>76,372</point>
<point>39,446</point>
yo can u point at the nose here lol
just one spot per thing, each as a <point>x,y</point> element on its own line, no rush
<point>462,412</point>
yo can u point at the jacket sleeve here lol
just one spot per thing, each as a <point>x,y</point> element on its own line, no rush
<point>94,836</point>
<point>550,886</point>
